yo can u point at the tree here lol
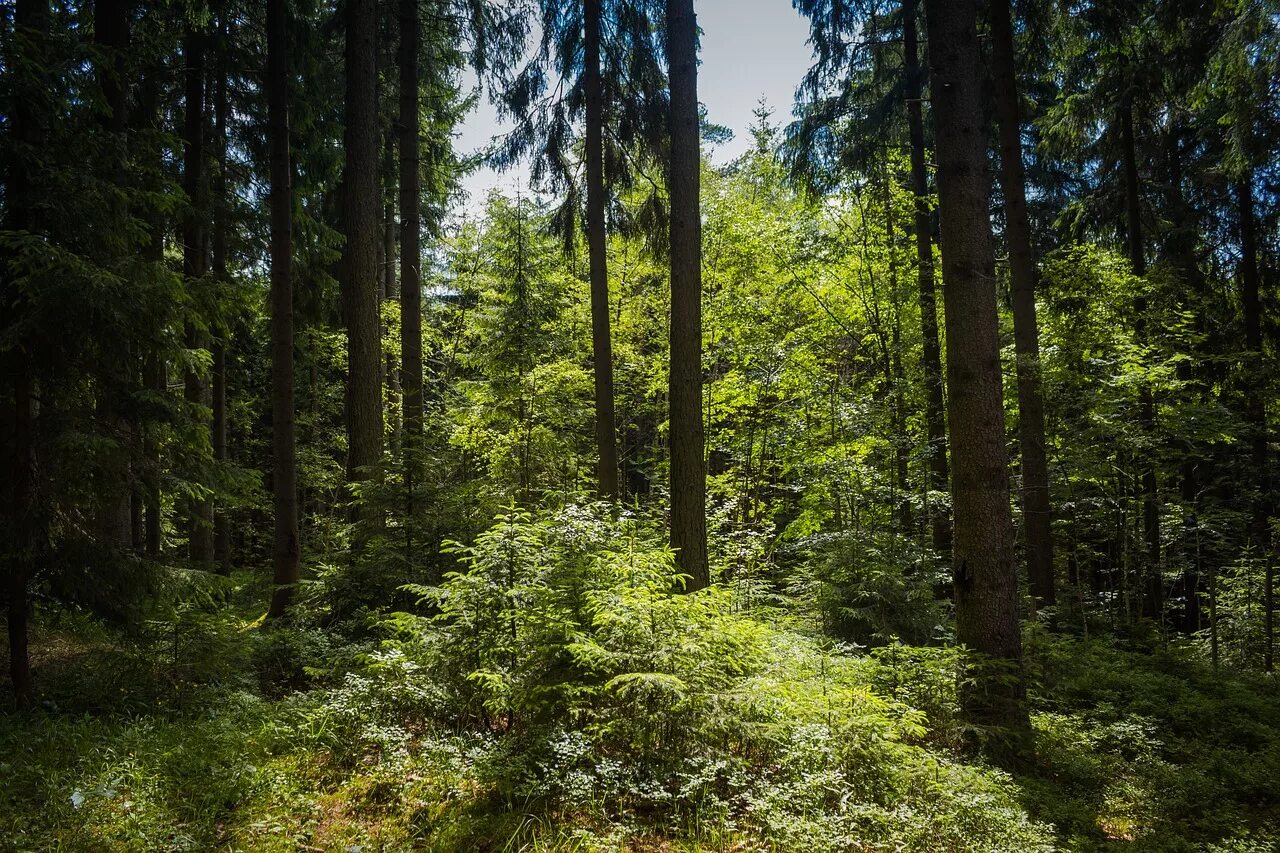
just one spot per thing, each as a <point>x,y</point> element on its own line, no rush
<point>410,237</point>
<point>285,548</point>
<point>934,414</point>
<point>1036,519</point>
<point>601,339</point>
<point>688,470</point>
<point>196,387</point>
<point>610,82</point>
<point>986,587</point>
<point>360,213</point>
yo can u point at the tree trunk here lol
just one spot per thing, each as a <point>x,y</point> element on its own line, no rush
<point>688,473</point>
<point>410,240</point>
<point>114,514</point>
<point>934,414</point>
<point>360,209</point>
<point>1256,408</point>
<point>1153,584</point>
<point>199,512</point>
<point>1036,518</point>
<point>986,584</point>
<point>221,211</point>
<point>601,342</point>
<point>285,548</point>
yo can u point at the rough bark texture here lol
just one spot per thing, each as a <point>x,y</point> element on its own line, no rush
<point>285,547</point>
<point>688,472</point>
<point>360,214</point>
<point>1151,581</point>
<point>601,338</point>
<point>1036,519</point>
<point>986,585</point>
<point>196,388</point>
<point>934,414</point>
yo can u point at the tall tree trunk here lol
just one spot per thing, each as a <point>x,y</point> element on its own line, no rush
<point>1256,408</point>
<point>688,472</point>
<point>285,548</point>
<point>114,514</point>
<point>934,414</point>
<point>601,339</point>
<point>1036,519</point>
<point>199,512</point>
<point>360,209</point>
<point>221,213</point>
<point>410,234</point>
<point>986,584</point>
<point>1152,581</point>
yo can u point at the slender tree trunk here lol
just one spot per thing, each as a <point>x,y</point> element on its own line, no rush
<point>1153,604</point>
<point>601,342</point>
<point>1036,518</point>
<point>199,512</point>
<point>1256,408</point>
<point>285,548</point>
<point>221,211</point>
<point>111,35</point>
<point>360,209</point>
<point>410,239</point>
<point>688,472</point>
<point>986,585</point>
<point>934,414</point>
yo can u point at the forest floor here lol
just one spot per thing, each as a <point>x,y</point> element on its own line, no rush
<point>206,733</point>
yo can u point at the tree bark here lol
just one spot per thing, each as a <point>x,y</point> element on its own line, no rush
<point>986,586</point>
<point>1036,507</point>
<point>285,546</point>
<point>688,471</point>
<point>360,209</point>
<point>601,338</point>
<point>934,412</point>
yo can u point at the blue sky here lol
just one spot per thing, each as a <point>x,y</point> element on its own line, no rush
<point>750,48</point>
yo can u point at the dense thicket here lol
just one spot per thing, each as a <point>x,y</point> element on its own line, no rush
<point>776,498</point>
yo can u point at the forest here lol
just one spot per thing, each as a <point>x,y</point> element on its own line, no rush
<point>905,482</point>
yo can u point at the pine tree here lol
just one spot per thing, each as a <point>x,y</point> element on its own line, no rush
<point>986,586</point>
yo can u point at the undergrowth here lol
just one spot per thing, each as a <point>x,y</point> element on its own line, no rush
<point>553,694</point>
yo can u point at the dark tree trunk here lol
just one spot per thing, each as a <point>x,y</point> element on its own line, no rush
<point>285,548</point>
<point>1036,519</point>
<point>688,473</point>
<point>986,584</point>
<point>199,512</point>
<point>601,339</point>
<point>934,413</point>
<point>221,212</point>
<point>410,240</point>
<point>1256,408</point>
<point>360,214</point>
<point>1152,581</point>
<point>111,35</point>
